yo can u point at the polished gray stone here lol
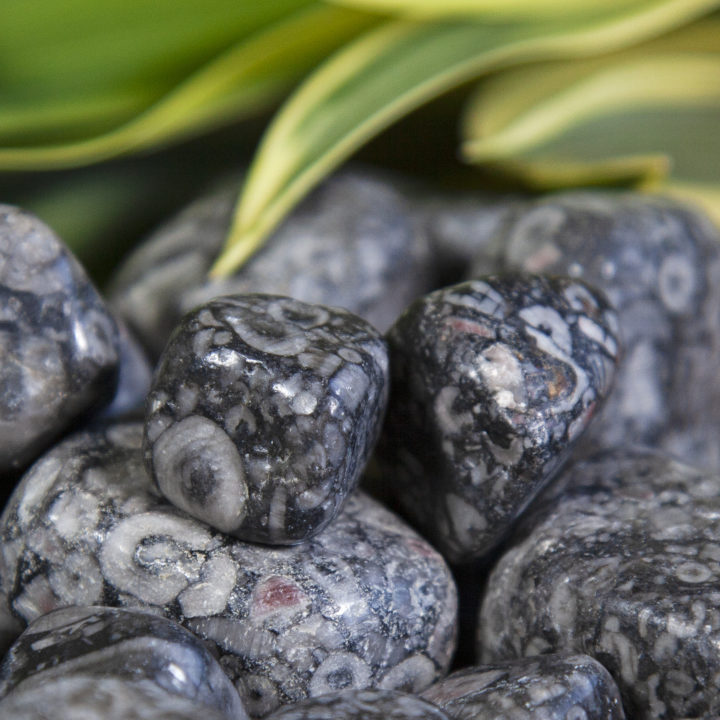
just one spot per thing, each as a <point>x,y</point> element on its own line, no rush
<point>58,342</point>
<point>366,603</point>
<point>263,413</point>
<point>492,382</point>
<point>620,560</point>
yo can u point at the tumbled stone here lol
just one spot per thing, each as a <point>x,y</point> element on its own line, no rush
<point>352,243</point>
<point>88,697</point>
<point>263,412</point>
<point>361,705</point>
<point>659,264</point>
<point>131,645</point>
<point>620,561</point>
<point>551,687</point>
<point>492,382</point>
<point>58,343</point>
<point>366,603</point>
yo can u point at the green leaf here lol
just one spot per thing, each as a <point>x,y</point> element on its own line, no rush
<point>247,78</point>
<point>121,53</point>
<point>394,69</point>
<point>495,9</point>
<point>633,117</point>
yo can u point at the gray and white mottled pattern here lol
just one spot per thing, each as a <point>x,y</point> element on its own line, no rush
<point>131,645</point>
<point>352,243</point>
<point>263,412</point>
<point>88,697</point>
<point>622,562</point>
<point>659,264</point>
<point>547,687</point>
<point>366,603</point>
<point>361,705</point>
<point>492,382</point>
<point>58,342</point>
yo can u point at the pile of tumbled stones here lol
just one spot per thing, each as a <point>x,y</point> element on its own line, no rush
<point>400,397</point>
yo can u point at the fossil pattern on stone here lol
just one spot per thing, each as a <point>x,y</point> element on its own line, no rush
<point>58,341</point>
<point>263,413</point>
<point>620,560</point>
<point>492,382</point>
<point>658,262</point>
<point>365,603</point>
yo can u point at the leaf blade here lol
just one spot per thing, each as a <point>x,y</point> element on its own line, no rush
<point>245,79</point>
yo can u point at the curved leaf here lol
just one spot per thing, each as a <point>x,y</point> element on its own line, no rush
<point>392,70</point>
<point>495,9</point>
<point>247,78</point>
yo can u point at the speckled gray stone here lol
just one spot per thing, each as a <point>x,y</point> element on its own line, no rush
<point>131,645</point>
<point>263,412</point>
<point>58,342</point>
<point>366,603</point>
<point>352,243</point>
<point>87,697</point>
<point>621,560</point>
<point>547,687</point>
<point>659,264</point>
<point>361,705</point>
<point>492,381</point>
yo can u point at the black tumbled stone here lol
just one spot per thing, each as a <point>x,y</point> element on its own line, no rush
<point>263,412</point>
<point>131,645</point>
<point>551,687</point>
<point>58,342</point>
<point>492,382</point>
<point>619,560</point>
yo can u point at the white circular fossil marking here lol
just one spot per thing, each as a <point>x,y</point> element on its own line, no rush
<point>198,468</point>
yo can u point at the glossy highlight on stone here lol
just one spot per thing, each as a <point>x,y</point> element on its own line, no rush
<point>58,341</point>
<point>263,412</point>
<point>131,645</point>
<point>492,382</point>
<point>619,560</point>
<point>366,603</point>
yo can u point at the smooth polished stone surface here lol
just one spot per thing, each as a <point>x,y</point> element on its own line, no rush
<point>620,560</point>
<point>366,603</point>
<point>58,342</point>
<point>87,697</point>
<point>658,262</point>
<point>125,644</point>
<point>352,243</point>
<point>263,413</point>
<point>547,687</point>
<point>361,705</point>
<point>492,382</point>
